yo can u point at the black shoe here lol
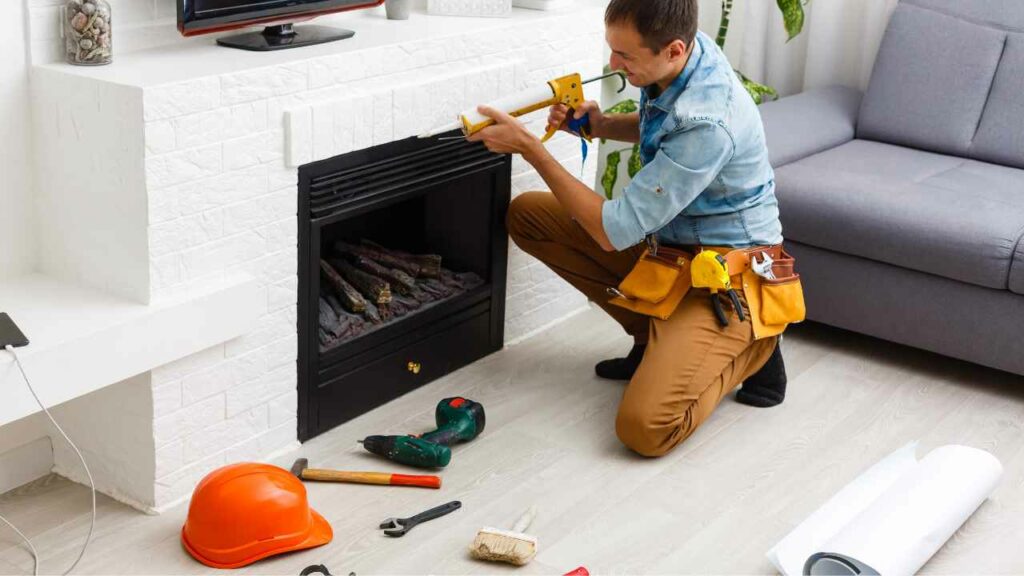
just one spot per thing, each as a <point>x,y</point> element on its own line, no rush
<point>621,368</point>
<point>767,386</point>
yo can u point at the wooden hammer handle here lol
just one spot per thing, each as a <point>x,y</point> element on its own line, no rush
<point>384,478</point>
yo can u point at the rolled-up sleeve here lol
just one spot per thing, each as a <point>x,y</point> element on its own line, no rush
<point>687,162</point>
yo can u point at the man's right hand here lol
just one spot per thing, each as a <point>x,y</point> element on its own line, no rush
<point>559,112</point>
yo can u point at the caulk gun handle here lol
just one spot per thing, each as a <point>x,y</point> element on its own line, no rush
<point>581,126</point>
<point>578,126</point>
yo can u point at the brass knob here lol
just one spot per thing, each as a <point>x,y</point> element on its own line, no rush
<point>414,367</point>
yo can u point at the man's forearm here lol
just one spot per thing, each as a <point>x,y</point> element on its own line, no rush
<point>582,203</point>
<point>620,127</point>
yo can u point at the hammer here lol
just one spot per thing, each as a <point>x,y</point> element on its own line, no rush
<point>302,470</point>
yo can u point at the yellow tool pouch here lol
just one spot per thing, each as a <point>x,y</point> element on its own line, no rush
<point>774,303</point>
<point>656,284</point>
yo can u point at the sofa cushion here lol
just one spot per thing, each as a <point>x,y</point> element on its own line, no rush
<point>1008,14</point>
<point>1000,136</point>
<point>957,218</point>
<point>930,80</point>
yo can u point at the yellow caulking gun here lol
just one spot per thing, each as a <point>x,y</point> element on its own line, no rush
<point>567,90</point>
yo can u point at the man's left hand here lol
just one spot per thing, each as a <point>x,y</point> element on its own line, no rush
<point>507,135</point>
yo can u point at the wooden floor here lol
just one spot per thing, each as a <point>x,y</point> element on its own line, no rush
<point>715,505</point>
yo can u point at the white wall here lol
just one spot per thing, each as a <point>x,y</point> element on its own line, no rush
<point>16,248</point>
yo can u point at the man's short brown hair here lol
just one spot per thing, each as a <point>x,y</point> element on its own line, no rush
<point>658,21</point>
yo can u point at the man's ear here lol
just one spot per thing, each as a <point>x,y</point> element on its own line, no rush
<point>677,50</point>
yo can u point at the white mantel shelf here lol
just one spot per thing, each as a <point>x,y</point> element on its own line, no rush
<point>83,340</point>
<point>201,57</point>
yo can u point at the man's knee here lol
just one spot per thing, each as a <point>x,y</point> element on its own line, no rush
<point>522,215</point>
<point>648,435</point>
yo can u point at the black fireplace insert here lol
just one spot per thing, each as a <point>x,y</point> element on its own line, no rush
<point>402,267</point>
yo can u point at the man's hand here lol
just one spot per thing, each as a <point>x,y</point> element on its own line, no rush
<point>507,135</point>
<point>559,112</point>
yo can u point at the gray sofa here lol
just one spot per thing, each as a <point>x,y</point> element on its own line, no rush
<point>905,208</point>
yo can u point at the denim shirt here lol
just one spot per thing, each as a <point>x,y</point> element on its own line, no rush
<point>705,179</point>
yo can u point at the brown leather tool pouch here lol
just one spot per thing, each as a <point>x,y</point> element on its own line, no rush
<point>656,284</point>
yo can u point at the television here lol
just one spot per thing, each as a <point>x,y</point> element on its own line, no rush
<point>207,16</point>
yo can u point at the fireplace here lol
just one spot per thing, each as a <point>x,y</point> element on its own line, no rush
<point>415,229</point>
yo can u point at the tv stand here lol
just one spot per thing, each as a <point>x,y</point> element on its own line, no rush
<point>285,36</point>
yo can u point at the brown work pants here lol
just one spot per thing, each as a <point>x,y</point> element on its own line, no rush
<point>691,361</point>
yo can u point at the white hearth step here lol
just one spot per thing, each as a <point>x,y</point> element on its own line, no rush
<point>83,340</point>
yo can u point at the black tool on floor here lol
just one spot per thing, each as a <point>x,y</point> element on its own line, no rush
<point>10,334</point>
<point>319,569</point>
<point>399,526</point>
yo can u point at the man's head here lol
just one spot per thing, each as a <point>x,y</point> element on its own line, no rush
<point>650,39</point>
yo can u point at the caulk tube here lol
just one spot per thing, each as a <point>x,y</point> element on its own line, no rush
<point>514,104</point>
<point>471,121</point>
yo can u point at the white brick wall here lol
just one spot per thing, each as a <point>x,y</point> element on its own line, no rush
<point>219,172</point>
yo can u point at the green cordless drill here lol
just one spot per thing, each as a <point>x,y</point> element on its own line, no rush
<point>458,420</point>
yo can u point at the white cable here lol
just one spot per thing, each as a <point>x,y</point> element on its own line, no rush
<point>92,484</point>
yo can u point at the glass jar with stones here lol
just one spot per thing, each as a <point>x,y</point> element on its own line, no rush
<point>86,30</point>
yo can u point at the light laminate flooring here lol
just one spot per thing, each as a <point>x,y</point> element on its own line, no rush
<point>713,506</point>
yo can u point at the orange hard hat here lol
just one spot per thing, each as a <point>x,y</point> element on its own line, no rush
<point>246,512</point>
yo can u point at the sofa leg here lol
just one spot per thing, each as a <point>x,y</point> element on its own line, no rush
<point>766,387</point>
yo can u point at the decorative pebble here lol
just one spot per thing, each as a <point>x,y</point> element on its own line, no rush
<point>85,43</point>
<point>89,8</point>
<point>79,21</point>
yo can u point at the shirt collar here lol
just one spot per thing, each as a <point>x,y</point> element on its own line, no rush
<point>666,100</point>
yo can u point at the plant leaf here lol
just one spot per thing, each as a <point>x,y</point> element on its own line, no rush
<point>636,162</point>
<point>611,173</point>
<point>792,16</point>
<point>624,107</point>
<point>757,91</point>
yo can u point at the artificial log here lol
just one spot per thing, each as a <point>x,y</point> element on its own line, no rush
<point>410,303</point>
<point>429,264</point>
<point>374,288</point>
<point>400,282</point>
<point>437,289</point>
<point>371,314</point>
<point>349,297</point>
<point>328,320</point>
<point>398,308</point>
<point>379,255</point>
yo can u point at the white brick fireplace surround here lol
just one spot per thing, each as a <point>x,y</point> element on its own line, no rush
<point>164,314</point>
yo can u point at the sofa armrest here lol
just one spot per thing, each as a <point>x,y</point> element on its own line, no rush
<point>810,122</point>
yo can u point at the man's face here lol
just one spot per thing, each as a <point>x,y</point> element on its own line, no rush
<point>642,65</point>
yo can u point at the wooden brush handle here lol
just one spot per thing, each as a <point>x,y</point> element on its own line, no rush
<point>370,478</point>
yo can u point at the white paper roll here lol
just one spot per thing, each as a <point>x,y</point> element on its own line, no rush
<point>894,516</point>
<point>512,103</point>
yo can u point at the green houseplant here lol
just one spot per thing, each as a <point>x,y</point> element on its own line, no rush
<point>793,19</point>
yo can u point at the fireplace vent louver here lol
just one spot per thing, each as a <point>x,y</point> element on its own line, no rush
<point>331,193</point>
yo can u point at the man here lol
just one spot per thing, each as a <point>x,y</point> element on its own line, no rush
<point>706,181</point>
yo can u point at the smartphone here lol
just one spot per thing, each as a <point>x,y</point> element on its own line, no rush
<point>10,334</point>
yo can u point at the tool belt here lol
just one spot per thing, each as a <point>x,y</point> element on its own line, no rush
<point>661,278</point>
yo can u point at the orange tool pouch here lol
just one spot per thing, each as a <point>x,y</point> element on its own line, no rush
<point>658,283</point>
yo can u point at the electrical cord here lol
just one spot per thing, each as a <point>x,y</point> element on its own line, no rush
<point>92,484</point>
